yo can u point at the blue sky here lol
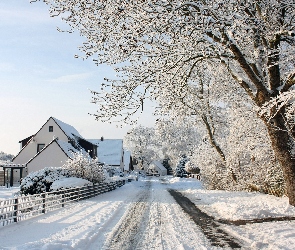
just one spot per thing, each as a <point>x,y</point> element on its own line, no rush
<point>39,77</point>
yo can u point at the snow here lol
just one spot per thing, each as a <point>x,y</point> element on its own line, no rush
<point>159,165</point>
<point>109,151</point>
<point>69,130</point>
<point>245,206</point>
<point>70,182</point>
<point>69,150</point>
<point>234,205</point>
<point>8,193</point>
<point>143,212</point>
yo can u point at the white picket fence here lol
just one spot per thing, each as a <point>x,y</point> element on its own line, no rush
<point>24,207</point>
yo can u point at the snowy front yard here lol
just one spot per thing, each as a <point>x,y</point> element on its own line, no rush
<point>8,193</point>
<point>143,215</point>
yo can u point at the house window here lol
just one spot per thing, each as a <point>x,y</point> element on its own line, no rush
<point>40,147</point>
<point>50,128</point>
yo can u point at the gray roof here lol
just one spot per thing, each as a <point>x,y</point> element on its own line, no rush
<point>159,165</point>
<point>109,151</point>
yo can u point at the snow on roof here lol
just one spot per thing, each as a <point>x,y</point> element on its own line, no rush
<point>127,155</point>
<point>69,130</point>
<point>68,148</point>
<point>109,151</point>
<point>159,165</point>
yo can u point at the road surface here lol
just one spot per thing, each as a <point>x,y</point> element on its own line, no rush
<point>140,215</point>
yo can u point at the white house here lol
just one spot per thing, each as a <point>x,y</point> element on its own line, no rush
<point>55,154</point>
<point>55,143</point>
<point>157,166</point>
<point>51,146</point>
<point>128,164</point>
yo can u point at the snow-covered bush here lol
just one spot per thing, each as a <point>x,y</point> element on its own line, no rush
<point>273,182</point>
<point>83,166</point>
<point>257,172</point>
<point>41,181</point>
<point>114,171</point>
<point>192,168</point>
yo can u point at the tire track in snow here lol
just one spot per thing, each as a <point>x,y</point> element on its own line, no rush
<point>169,227</point>
<point>156,221</point>
<point>129,231</point>
<point>98,235</point>
<point>142,215</point>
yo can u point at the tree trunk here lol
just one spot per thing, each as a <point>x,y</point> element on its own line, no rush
<point>212,139</point>
<point>282,144</point>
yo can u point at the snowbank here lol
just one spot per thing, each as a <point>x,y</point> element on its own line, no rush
<point>184,183</point>
<point>243,205</point>
<point>233,205</point>
<point>70,182</point>
<point>8,193</point>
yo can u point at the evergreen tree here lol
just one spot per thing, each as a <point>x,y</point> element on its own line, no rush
<point>166,164</point>
<point>180,168</point>
<point>5,157</point>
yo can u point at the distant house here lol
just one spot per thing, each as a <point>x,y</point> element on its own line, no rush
<point>158,167</point>
<point>110,151</point>
<point>53,144</point>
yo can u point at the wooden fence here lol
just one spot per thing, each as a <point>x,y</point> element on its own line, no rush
<point>24,207</point>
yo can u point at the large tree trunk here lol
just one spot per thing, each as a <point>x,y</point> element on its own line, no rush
<point>282,144</point>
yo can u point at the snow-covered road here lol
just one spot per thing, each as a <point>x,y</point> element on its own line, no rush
<point>139,215</point>
<point>143,215</point>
